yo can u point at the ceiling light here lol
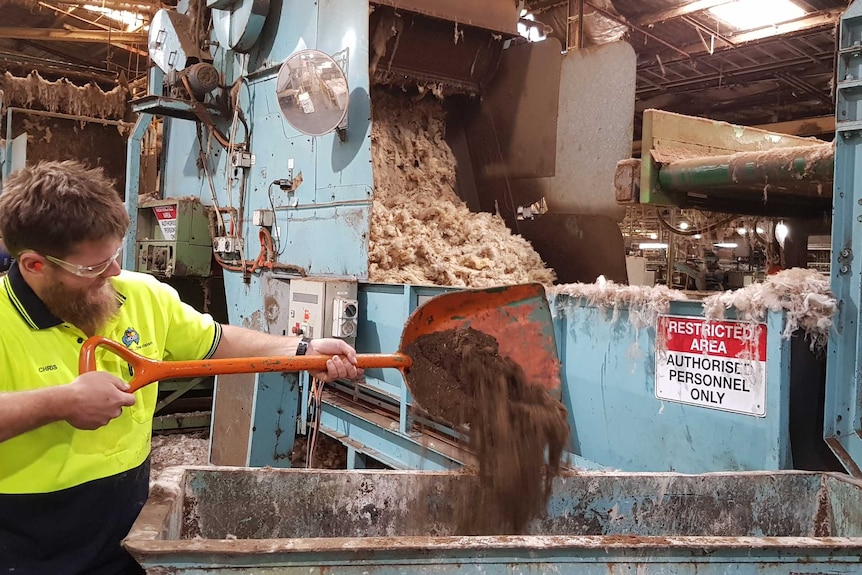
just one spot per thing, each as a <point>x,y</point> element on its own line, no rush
<point>697,236</point>
<point>132,20</point>
<point>751,14</point>
<point>781,232</point>
<point>727,245</point>
<point>742,231</point>
<point>653,236</point>
<point>653,246</point>
<point>683,225</point>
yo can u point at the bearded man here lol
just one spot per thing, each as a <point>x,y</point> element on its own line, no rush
<point>74,449</point>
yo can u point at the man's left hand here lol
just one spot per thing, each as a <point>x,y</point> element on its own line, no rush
<point>341,364</point>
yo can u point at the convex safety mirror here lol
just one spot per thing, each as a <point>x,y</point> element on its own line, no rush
<point>312,93</point>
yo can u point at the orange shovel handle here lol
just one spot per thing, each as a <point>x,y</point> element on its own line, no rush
<point>147,371</point>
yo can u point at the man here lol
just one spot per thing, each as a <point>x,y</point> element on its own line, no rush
<point>74,450</point>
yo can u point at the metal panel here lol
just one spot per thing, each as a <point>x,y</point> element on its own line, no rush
<point>274,419</point>
<point>296,521</point>
<point>517,126</point>
<point>594,131</point>
<point>19,152</point>
<point>843,419</point>
<point>497,15</point>
<point>233,406</point>
<point>616,420</point>
<point>579,248</point>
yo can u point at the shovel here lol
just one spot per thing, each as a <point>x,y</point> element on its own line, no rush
<point>517,316</point>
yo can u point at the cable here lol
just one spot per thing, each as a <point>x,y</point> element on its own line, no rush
<point>702,230</point>
<point>316,397</point>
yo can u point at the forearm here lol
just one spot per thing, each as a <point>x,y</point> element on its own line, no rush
<point>23,411</point>
<point>241,342</point>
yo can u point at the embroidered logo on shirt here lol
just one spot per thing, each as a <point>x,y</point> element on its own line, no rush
<point>131,336</point>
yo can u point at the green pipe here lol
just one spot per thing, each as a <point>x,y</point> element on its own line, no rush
<point>791,170</point>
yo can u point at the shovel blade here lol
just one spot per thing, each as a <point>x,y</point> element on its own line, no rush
<point>517,316</point>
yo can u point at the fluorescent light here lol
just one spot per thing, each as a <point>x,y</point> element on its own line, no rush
<point>729,245</point>
<point>531,33</point>
<point>781,232</point>
<point>751,14</point>
<point>653,246</point>
<point>132,20</point>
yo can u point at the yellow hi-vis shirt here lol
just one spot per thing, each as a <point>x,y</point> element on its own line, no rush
<point>37,350</point>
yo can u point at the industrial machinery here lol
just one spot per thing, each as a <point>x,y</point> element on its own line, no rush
<point>667,392</point>
<point>278,139</point>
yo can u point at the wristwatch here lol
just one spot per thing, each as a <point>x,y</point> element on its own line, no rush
<point>302,346</point>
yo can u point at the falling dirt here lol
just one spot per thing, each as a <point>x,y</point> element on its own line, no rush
<point>459,376</point>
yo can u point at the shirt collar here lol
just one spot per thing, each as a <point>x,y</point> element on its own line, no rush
<point>32,309</point>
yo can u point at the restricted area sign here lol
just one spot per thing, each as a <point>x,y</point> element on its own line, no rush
<point>167,218</point>
<point>714,364</point>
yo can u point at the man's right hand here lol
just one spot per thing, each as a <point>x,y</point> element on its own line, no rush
<point>95,398</point>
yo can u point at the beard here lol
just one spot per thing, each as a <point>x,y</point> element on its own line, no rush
<point>88,309</point>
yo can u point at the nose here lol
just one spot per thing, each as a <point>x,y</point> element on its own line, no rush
<point>113,270</point>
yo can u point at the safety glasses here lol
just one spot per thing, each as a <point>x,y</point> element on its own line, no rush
<point>85,271</point>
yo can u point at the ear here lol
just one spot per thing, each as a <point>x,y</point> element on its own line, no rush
<point>31,262</point>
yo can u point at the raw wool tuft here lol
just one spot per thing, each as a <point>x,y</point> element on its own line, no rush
<point>803,294</point>
<point>177,449</point>
<point>64,97</point>
<point>644,303</point>
<point>421,232</point>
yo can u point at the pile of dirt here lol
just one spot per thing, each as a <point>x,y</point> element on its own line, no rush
<point>459,376</point>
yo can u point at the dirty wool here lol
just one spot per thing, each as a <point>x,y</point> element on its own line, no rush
<point>421,232</point>
<point>63,96</point>
<point>803,294</point>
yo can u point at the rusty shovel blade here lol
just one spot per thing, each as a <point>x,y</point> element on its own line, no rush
<point>517,316</point>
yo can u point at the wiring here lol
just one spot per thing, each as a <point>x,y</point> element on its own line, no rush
<point>315,399</point>
<point>707,228</point>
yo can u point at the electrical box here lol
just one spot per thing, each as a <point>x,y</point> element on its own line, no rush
<point>174,238</point>
<point>324,308</point>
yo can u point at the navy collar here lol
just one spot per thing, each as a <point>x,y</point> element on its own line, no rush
<point>32,309</point>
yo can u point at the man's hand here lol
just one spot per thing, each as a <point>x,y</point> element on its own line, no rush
<point>95,398</point>
<point>342,364</point>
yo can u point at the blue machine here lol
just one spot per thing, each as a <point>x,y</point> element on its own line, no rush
<point>304,202</point>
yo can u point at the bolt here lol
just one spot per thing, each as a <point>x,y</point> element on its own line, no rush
<point>845,253</point>
<point>845,269</point>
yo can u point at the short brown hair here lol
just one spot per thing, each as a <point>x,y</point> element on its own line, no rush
<point>50,207</point>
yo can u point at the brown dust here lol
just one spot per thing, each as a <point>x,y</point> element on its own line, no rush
<point>517,430</point>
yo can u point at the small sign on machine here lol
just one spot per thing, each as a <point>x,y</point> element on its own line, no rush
<point>167,217</point>
<point>714,364</point>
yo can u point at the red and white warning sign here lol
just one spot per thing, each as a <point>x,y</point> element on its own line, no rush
<point>167,218</point>
<point>715,364</point>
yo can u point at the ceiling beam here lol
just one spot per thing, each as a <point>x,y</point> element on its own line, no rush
<point>11,63</point>
<point>814,126</point>
<point>146,7</point>
<point>812,21</point>
<point>671,13</point>
<point>70,14</point>
<point>96,36</point>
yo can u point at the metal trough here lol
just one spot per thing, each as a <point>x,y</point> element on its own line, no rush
<point>205,520</point>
